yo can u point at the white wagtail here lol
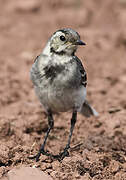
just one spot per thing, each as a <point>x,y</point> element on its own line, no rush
<point>60,80</point>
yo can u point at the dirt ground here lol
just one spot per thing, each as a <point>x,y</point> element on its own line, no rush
<point>98,147</point>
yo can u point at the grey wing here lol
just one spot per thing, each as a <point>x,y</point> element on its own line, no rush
<point>35,73</point>
<point>86,110</point>
<point>82,71</point>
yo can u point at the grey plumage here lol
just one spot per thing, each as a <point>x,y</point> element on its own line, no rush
<point>60,79</point>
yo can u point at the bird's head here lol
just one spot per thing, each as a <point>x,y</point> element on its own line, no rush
<point>65,41</point>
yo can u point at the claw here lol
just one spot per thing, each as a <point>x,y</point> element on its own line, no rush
<point>64,154</point>
<point>59,157</point>
<point>37,156</point>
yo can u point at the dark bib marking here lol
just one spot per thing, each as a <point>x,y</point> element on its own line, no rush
<point>52,71</point>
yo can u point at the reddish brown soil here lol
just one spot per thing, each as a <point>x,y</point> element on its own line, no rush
<point>98,148</point>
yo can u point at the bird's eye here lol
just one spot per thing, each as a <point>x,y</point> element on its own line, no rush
<point>62,38</point>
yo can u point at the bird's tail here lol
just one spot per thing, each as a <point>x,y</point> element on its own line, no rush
<point>87,110</point>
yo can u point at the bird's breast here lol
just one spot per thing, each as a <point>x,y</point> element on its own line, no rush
<point>61,75</point>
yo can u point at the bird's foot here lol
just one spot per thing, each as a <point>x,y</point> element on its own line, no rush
<point>37,156</point>
<point>63,154</point>
<point>59,157</point>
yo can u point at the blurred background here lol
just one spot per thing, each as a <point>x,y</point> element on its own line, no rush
<point>25,26</point>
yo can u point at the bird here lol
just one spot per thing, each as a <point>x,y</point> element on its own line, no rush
<point>60,81</point>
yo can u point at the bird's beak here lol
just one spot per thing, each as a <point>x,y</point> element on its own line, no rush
<point>79,42</point>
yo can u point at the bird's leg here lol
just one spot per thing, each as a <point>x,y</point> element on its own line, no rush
<point>51,124</point>
<point>73,121</point>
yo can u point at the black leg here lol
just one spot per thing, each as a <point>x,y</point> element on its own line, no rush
<point>73,121</point>
<point>51,124</point>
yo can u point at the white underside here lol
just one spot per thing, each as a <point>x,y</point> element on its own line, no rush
<point>62,100</point>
